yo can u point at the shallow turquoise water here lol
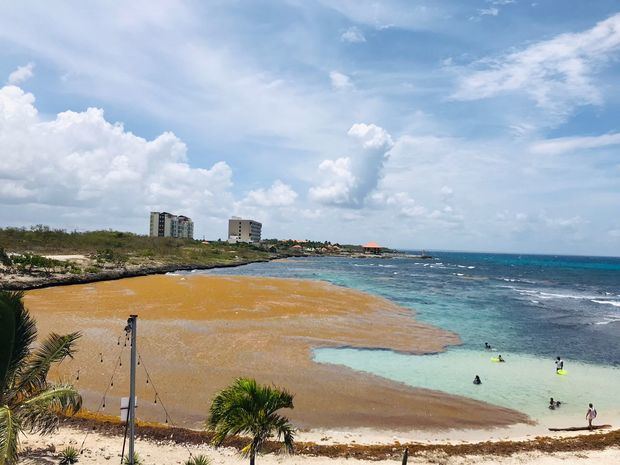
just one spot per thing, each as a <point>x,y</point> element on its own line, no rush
<point>524,382</point>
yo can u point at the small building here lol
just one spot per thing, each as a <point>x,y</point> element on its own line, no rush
<point>164,224</point>
<point>372,248</point>
<point>240,230</point>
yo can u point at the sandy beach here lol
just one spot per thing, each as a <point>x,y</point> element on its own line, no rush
<point>104,448</point>
<point>197,333</point>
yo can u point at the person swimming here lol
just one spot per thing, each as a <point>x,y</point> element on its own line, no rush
<point>553,404</point>
<point>487,346</point>
<point>477,380</point>
<point>500,359</point>
<point>559,364</point>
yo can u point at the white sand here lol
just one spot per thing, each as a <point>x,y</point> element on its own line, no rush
<point>106,449</point>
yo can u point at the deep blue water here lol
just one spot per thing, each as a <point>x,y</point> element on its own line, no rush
<point>527,304</point>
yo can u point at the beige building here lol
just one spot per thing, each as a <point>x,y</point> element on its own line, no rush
<point>164,224</point>
<point>240,230</point>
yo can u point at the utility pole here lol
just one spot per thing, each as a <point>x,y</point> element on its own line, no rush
<point>132,323</point>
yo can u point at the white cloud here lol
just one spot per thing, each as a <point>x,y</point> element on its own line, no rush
<point>340,81</point>
<point>571,144</point>
<point>80,163</point>
<point>491,11</point>
<point>348,180</point>
<point>391,13</point>
<point>278,195</point>
<point>353,35</point>
<point>447,191</point>
<point>21,74</point>
<point>556,73</point>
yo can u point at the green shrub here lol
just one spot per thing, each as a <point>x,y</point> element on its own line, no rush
<point>136,459</point>
<point>4,258</point>
<point>198,460</point>
<point>68,456</point>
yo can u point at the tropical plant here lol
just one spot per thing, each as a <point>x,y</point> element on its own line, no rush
<point>28,402</point>
<point>4,258</point>
<point>198,460</point>
<point>68,456</point>
<point>136,459</point>
<point>248,408</point>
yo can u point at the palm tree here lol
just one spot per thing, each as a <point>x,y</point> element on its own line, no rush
<point>246,407</point>
<point>27,401</point>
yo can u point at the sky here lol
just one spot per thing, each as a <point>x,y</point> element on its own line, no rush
<point>480,125</point>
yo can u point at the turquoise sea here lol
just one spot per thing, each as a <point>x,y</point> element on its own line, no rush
<point>530,308</point>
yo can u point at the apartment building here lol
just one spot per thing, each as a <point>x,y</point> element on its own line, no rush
<point>164,224</point>
<point>240,230</point>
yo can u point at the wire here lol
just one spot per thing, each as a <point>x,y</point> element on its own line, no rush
<point>161,402</point>
<point>109,385</point>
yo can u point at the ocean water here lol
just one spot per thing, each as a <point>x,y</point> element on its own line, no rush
<point>530,308</point>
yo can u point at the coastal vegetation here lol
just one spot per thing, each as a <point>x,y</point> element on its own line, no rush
<point>198,460</point>
<point>28,402</point>
<point>248,408</point>
<point>115,248</point>
<point>68,456</point>
<point>37,256</point>
<point>41,256</point>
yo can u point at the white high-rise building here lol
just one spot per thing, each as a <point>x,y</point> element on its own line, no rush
<point>240,230</point>
<point>164,224</point>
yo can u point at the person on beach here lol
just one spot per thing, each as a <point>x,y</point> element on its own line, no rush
<point>487,346</point>
<point>553,404</point>
<point>477,380</point>
<point>559,364</point>
<point>590,415</point>
<point>500,359</point>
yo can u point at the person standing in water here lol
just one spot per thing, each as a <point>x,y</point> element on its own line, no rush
<point>559,364</point>
<point>590,415</point>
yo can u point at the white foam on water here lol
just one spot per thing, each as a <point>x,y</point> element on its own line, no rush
<point>607,302</point>
<point>607,320</point>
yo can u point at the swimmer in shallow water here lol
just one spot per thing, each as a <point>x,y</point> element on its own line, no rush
<point>487,346</point>
<point>477,380</point>
<point>500,359</point>
<point>553,404</point>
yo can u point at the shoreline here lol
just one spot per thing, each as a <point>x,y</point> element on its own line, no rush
<point>354,435</point>
<point>189,324</point>
<point>117,274</point>
<point>111,427</point>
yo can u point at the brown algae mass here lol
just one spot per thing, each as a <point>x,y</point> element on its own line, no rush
<point>197,333</point>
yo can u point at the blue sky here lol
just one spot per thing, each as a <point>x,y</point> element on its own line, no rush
<point>465,125</point>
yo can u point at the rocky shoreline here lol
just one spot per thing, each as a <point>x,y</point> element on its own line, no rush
<point>28,281</point>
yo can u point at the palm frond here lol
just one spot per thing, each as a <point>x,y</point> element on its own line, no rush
<point>7,336</point>
<point>41,413</point>
<point>53,350</point>
<point>24,335</point>
<point>285,431</point>
<point>10,428</point>
<point>246,407</point>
